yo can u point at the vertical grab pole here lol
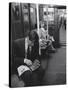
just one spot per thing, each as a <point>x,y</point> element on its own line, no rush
<point>37,7</point>
<point>47,18</point>
<point>37,18</point>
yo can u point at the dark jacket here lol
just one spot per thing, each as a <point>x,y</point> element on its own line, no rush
<point>18,53</point>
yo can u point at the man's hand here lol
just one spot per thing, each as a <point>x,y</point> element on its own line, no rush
<point>35,65</point>
<point>28,62</point>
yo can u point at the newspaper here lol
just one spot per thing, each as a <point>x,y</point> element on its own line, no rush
<point>21,69</point>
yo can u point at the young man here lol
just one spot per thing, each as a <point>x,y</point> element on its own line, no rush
<point>25,61</point>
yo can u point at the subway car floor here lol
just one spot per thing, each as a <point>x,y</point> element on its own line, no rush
<point>55,68</point>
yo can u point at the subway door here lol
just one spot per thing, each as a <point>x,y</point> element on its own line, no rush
<point>25,18</point>
<point>33,17</point>
<point>16,27</point>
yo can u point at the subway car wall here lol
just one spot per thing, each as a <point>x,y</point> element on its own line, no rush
<point>23,19</point>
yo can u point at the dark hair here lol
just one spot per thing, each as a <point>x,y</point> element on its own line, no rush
<point>33,36</point>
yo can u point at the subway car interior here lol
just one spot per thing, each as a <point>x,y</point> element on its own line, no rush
<point>49,21</point>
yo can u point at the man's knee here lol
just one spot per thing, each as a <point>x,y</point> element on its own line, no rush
<point>27,77</point>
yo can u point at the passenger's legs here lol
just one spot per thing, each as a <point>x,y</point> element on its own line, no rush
<point>27,78</point>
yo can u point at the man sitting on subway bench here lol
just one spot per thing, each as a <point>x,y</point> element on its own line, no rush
<point>26,62</point>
